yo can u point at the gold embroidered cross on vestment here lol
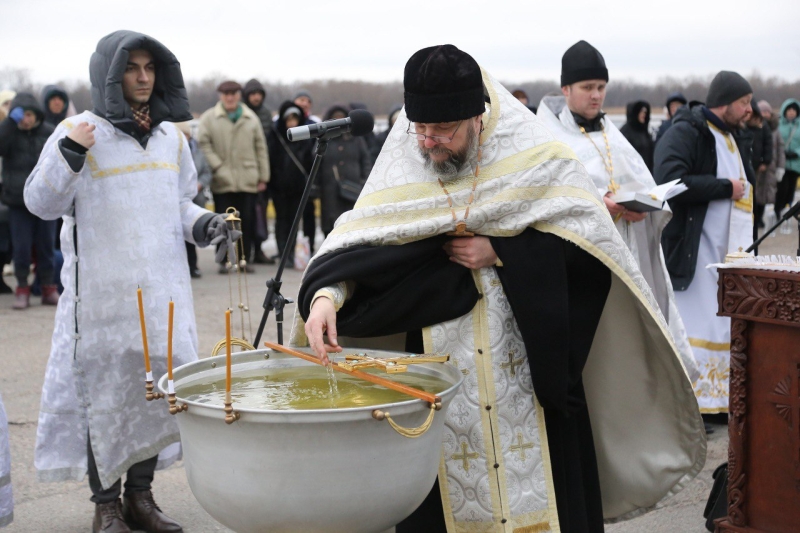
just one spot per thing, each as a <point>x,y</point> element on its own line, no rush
<point>464,456</point>
<point>521,446</point>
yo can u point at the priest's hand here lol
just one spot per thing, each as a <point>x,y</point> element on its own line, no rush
<point>83,134</point>
<point>738,189</point>
<point>618,211</point>
<point>471,252</point>
<point>322,320</point>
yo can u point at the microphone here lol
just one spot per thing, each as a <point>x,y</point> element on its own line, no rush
<point>359,122</point>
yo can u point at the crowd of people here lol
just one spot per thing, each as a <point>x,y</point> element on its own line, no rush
<point>474,209</point>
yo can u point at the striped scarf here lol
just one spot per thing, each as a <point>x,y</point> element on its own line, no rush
<point>142,117</point>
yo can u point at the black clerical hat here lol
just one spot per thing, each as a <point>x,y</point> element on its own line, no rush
<point>580,62</point>
<point>442,84</point>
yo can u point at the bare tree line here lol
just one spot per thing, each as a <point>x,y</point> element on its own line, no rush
<point>381,97</point>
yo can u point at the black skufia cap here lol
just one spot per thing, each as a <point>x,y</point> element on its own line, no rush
<point>580,62</point>
<point>442,84</point>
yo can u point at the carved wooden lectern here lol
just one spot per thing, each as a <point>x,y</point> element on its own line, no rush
<point>764,423</point>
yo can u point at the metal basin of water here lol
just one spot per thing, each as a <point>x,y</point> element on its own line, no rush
<point>320,470</point>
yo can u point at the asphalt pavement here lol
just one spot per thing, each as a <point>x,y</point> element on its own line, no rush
<point>65,507</point>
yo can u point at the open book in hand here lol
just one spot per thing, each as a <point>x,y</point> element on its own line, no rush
<point>636,197</point>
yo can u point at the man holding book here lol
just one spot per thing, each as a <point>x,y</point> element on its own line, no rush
<point>617,170</point>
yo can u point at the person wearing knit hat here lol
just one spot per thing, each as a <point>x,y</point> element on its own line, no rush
<point>674,102</point>
<point>473,222</point>
<point>303,100</point>
<point>712,218</point>
<point>576,118</point>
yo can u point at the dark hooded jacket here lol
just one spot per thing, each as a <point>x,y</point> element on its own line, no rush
<point>20,150</point>
<point>638,134</point>
<point>665,125</point>
<point>262,112</point>
<point>286,175</point>
<point>688,152</point>
<point>48,93</point>
<point>351,158</point>
<point>380,139</point>
<point>169,101</point>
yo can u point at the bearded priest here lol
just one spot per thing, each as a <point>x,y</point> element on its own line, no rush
<point>480,235</point>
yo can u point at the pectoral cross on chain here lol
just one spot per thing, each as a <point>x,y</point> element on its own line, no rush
<point>512,363</point>
<point>461,230</point>
<point>464,456</point>
<point>787,402</point>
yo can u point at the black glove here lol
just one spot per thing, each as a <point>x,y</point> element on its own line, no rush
<point>218,232</point>
<point>791,154</point>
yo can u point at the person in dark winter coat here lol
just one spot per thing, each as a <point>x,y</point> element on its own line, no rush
<point>290,163</point>
<point>522,96</point>
<point>637,131</point>
<point>23,135</point>
<point>370,138</point>
<point>344,171</point>
<point>254,96</point>
<point>708,149</point>
<point>689,154</point>
<point>674,102</point>
<point>761,158</point>
<point>789,126</point>
<point>380,139</point>
<point>56,104</point>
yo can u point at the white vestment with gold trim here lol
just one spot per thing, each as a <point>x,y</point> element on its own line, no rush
<point>647,429</point>
<point>727,227</point>
<point>642,238</point>
<point>126,215</point>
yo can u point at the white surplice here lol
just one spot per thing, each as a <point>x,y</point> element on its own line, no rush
<point>126,214</point>
<point>642,238</point>
<point>728,226</point>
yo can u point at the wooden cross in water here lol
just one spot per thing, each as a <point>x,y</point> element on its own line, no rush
<point>521,446</point>
<point>464,456</point>
<point>512,363</point>
<point>787,402</point>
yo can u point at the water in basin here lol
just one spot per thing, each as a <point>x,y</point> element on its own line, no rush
<point>305,387</point>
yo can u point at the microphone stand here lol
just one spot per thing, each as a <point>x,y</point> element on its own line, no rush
<point>793,211</point>
<point>275,301</point>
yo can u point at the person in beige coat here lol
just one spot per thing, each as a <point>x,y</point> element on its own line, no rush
<point>232,139</point>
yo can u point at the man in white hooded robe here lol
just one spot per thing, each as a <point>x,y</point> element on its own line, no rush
<point>123,179</point>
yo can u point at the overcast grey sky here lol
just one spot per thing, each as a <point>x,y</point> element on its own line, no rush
<point>371,40</point>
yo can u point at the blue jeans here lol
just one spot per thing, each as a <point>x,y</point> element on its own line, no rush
<point>28,232</point>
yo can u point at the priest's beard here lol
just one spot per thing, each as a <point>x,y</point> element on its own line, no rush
<point>449,168</point>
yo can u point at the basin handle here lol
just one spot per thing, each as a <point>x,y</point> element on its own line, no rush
<point>411,433</point>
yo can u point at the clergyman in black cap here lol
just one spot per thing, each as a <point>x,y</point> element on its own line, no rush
<point>615,165</point>
<point>443,249</point>
<point>711,219</point>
